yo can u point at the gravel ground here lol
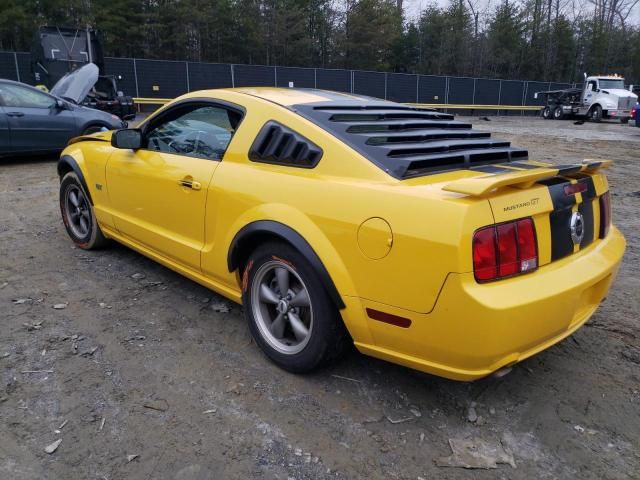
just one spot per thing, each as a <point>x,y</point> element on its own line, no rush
<point>145,375</point>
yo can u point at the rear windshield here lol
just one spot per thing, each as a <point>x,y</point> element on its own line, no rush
<point>408,141</point>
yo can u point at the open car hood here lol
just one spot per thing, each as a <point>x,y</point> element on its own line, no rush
<point>75,85</point>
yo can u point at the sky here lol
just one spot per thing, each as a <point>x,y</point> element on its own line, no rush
<point>413,8</point>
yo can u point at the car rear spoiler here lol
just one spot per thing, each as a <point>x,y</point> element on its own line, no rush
<point>531,173</point>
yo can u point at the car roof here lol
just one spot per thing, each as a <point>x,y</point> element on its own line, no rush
<point>21,84</point>
<point>287,97</point>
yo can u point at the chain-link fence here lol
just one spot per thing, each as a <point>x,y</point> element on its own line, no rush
<point>168,79</point>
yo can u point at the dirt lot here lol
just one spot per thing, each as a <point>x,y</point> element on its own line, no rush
<point>144,362</point>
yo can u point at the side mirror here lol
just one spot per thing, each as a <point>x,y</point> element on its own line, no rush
<point>60,105</point>
<point>120,93</point>
<point>127,138</point>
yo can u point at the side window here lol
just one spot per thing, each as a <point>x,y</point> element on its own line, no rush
<point>280,145</point>
<point>17,96</point>
<point>202,131</point>
<point>593,85</point>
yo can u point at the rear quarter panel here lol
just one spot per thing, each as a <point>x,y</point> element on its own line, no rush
<point>432,230</point>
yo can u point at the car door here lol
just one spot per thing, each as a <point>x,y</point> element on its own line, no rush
<point>158,193</point>
<point>589,91</point>
<point>35,120</point>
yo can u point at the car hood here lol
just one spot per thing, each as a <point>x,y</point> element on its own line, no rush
<point>620,92</point>
<point>75,85</point>
<point>93,137</point>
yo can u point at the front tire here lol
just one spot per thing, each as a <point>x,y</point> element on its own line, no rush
<point>290,314</point>
<point>546,113</point>
<point>78,215</point>
<point>596,114</point>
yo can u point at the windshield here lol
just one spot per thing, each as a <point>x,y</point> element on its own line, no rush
<point>608,83</point>
<point>65,45</point>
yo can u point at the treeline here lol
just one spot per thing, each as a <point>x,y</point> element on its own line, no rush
<point>550,40</point>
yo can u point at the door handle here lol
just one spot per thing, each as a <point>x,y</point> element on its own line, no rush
<point>190,184</point>
<point>15,114</point>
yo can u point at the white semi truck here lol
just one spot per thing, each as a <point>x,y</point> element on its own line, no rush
<point>602,96</point>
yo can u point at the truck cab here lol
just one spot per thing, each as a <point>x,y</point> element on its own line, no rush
<point>606,97</point>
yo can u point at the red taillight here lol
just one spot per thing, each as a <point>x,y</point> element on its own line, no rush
<point>484,254</point>
<point>605,214</point>
<point>507,250</point>
<point>504,250</point>
<point>527,245</point>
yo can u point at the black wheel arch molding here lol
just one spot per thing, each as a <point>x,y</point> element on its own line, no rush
<point>68,163</point>
<point>243,240</point>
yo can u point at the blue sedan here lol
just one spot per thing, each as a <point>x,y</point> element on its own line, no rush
<point>35,122</point>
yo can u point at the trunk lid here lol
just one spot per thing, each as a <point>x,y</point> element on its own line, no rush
<point>563,201</point>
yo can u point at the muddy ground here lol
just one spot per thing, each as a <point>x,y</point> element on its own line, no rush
<point>144,362</point>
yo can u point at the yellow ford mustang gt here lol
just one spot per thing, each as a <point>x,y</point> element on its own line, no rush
<point>337,219</point>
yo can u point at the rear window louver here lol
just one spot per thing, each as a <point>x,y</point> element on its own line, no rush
<point>409,141</point>
<point>280,145</point>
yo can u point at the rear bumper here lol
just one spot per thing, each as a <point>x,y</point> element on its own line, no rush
<point>477,329</point>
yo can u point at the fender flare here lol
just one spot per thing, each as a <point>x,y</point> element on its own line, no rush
<point>67,162</point>
<point>291,236</point>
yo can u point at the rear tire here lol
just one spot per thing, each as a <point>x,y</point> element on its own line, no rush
<point>299,329</point>
<point>596,114</point>
<point>558,114</point>
<point>624,121</point>
<point>78,215</point>
<point>546,113</point>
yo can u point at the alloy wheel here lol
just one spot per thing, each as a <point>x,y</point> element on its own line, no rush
<point>282,307</point>
<point>77,211</point>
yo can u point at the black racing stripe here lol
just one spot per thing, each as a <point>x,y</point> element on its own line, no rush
<point>561,242</point>
<point>552,181</point>
<point>560,199</point>
<point>590,193</point>
<point>568,169</point>
<point>492,169</point>
<point>526,166</point>
<point>593,165</point>
<point>560,218</point>
<point>586,209</point>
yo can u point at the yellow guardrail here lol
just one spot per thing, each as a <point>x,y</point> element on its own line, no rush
<point>455,106</point>
<point>450,106</point>
<point>151,101</point>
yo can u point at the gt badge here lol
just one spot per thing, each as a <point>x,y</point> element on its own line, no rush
<point>576,227</point>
